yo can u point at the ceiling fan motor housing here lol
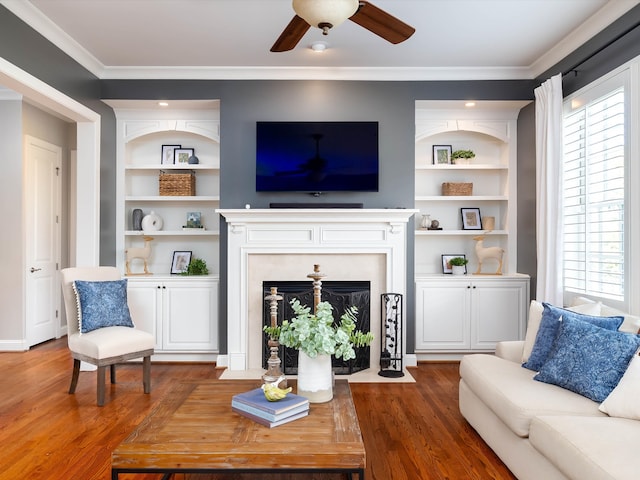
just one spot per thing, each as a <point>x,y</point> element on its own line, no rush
<point>325,14</point>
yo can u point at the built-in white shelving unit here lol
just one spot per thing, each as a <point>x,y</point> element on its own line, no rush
<point>453,313</point>
<point>180,311</point>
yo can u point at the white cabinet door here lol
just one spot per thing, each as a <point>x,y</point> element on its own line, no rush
<point>443,315</point>
<point>144,305</point>
<point>469,314</point>
<point>498,313</point>
<point>189,310</point>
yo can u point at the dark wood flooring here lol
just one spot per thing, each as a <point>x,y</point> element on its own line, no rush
<point>411,431</point>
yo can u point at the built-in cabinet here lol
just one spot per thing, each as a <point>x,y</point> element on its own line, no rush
<point>465,314</point>
<point>177,312</point>
<point>180,311</point>
<point>471,313</point>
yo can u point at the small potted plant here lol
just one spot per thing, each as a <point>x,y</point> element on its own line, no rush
<point>317,337</point>
<point>462,156</point>
<point>197,266</point>
<point>458,265</point>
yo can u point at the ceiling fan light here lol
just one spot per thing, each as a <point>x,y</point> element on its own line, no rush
<point>319,47</point>
<point>332,12</point>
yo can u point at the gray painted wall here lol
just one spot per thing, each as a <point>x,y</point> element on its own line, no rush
<point>392,104</point>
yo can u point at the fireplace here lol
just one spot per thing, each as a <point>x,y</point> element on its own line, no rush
<point>340,295</point>
<point>284,244</point>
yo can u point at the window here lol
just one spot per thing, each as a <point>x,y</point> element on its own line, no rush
<point>594,193</point>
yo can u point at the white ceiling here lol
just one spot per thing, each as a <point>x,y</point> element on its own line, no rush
<point>221,39</point>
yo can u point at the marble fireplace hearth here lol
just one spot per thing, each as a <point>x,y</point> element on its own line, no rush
<point>284,245</point>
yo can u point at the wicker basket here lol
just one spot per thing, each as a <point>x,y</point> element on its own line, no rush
<point>177,184</point>
<point>450,189</point>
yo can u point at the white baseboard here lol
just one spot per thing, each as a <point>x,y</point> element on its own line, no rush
<point>13,345</point>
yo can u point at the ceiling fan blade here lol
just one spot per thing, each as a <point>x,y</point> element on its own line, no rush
<point>291,35</point>
<point>381,23</point>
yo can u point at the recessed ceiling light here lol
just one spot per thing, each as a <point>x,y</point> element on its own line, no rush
<point>319,47</point>
<point>163,104</point>
<point>470,104</point>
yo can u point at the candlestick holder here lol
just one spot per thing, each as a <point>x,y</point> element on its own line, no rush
<point>274,372</point>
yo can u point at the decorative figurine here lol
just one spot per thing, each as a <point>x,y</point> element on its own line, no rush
<point>483,253</point>
<point>142,253</point>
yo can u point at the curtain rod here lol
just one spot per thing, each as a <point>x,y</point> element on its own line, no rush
<point>605,46</point>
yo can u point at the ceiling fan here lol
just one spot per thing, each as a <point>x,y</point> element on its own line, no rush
<point>326,14</point>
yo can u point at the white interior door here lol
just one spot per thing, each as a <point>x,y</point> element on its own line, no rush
<point>42,219</point>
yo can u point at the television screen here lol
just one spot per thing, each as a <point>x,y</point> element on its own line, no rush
<point>317,156</point>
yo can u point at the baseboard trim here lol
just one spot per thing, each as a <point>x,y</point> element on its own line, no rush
<point>13,346</point>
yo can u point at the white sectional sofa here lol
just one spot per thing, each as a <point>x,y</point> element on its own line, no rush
<point>542,431</point>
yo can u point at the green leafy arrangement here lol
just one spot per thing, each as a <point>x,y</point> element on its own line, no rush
<point>458,262</point>
<point>197,266</point>
<point>463,154</point>
<point>316,334</point>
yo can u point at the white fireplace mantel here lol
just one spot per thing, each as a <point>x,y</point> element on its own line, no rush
<point>332,236</point>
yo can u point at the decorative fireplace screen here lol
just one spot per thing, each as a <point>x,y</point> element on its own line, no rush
<point>341,295</point>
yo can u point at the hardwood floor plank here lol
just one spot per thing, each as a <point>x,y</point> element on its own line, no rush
<point>410,431</point>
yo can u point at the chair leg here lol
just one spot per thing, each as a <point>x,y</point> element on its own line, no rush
<point>146,374</point>
<point>113,373</point>
<point>101,379</point>
<point>74,376</point>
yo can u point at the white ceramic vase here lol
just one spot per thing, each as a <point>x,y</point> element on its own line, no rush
<point>457,269</point>
<point>152,222</point>
<point>315,377</point>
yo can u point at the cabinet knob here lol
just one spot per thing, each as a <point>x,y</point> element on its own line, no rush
<point>158,287</point>
<point>468,286</point>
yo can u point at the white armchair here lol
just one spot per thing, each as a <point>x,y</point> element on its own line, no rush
<point>105,346</point>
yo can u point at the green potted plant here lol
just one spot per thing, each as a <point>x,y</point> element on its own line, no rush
<point>462,156</point>
<point>458,265</point>
<point>317,337</point>
<point>197,266</point>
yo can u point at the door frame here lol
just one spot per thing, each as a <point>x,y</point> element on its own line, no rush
<point>87,167</point>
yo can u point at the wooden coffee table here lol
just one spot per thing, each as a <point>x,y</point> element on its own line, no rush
<point>193,430</point>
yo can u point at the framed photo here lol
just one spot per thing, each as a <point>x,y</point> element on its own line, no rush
<point>167,154</point>
<point>442,154</point>
<point>180,262</point>
<point>181,155</point>
<point>446,265</point>
<point>471,219</point>
<point>194,220</point>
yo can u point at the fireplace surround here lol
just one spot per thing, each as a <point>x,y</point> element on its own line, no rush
<point>284,244</point>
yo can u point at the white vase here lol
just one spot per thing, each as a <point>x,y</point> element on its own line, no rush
<point>152,222</point>
<point>458,269</point>
<point>315,377</point>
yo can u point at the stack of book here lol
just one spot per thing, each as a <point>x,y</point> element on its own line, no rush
<point>254,405</point>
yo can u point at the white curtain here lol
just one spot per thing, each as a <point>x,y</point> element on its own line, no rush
<point>549,190</point>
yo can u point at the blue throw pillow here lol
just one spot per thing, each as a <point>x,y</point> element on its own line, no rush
<point>102,304</point>
<point>587,359</point>
<point>549,325</point>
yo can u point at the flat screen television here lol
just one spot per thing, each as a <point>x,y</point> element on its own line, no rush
<point>316,157</point>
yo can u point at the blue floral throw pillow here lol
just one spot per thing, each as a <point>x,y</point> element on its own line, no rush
<point>102,304</point>
<point>587,359</point>
<point>549,326</point>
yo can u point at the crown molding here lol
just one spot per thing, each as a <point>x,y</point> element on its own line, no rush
<point>317,73</point>
<point>49,30</point>
<point>595,24</point>
<point>604,17</point>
